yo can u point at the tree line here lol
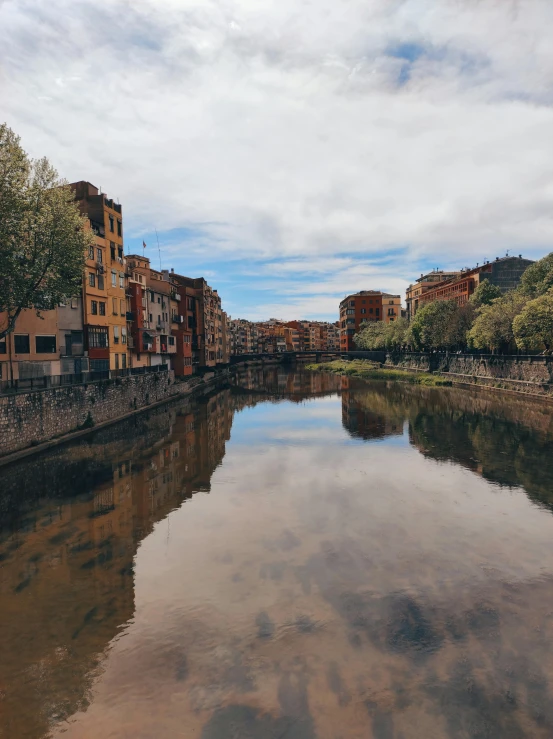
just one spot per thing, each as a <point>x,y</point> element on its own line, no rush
<point>43,237</point>
<point>490,320</point>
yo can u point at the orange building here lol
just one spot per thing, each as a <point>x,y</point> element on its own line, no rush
<point>104,283</point>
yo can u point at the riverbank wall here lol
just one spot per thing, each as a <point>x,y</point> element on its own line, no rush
<point>37,420</point>
<point>29,419</point>
<point>527,374</point>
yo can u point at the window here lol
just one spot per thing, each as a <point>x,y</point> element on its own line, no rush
<point>3,346</point>
<point>352,303</point>
<point>123,335</point>
<point>121,279</point>
<point>123,361</point>
<point>159,299</point>
<point>186,339</point>
<point>152,298</point>
<point>94,307</point>
<point>117,361</point>
<point>97,338</point>
<point>92,279</point>
<point>363,310</point>
<point>391,312</point>
<point>120,251</point>
<point>114,306</point>
<point>100,282</point>
<point>45,344</point>
<point>112,250</point>
<point>91,252</point>
<point>371,310</point>
<point>171,340</point>
<point>122,307</point>
<point>391,302</point>
<point>102,307</point>
<point>114,279</point>
<point>119,228</point>
<point>111,224</point>
<point>116,334</point>
<point>99,365</point>
<point>99,257</point>
<point>21,343</point>
<point>75,303</point>
<point>377,311</point>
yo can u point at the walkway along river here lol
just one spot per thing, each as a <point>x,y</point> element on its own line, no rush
<point>299,555</point>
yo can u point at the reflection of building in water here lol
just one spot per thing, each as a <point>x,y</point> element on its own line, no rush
<point>361,419</point>
<point>66,553</point>
<point>278,382</point>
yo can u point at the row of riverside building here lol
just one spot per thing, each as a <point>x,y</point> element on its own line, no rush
<point>274,336</point>
<point>127,315</point>
<point>373,305</point>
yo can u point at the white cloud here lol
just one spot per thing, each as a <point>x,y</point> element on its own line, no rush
<point>298,129</point>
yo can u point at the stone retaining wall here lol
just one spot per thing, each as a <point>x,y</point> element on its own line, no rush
<point>530,371</point>
<point>28,419</point>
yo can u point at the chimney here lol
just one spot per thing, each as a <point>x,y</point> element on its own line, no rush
<point>520,256</point>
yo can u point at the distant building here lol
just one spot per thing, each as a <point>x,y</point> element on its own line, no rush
<point>365,306</point>
<point>505,273</point>
<point>422,285</point>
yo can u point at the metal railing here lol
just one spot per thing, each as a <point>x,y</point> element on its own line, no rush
<point>46,382</point>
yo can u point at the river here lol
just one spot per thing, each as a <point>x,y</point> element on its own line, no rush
<point>298,556</point>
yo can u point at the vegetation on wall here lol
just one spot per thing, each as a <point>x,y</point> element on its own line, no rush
<point>43,237</point>
<point>492,321</point>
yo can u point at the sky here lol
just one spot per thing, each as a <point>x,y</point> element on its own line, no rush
<point>295,151</point>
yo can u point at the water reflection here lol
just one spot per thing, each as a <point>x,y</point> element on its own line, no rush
<point>157,580</point>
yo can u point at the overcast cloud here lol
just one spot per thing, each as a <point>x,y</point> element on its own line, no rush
<point>294,150</point>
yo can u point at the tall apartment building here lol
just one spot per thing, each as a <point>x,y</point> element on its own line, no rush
<point>365,306</point>
<point>104,283</point>
<point>505,273</point>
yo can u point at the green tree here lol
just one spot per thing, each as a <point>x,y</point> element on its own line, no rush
<point>43,237</point>
<point>460,323</point>
<point>484,294</point>
<point>538,277</point>
<point>533,327</point>
<point>371,336</point>
<point>396,334</point>
<point>493,327</point>
<point>431,326</point>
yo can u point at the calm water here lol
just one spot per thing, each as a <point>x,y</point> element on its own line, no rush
<point>296,557</point>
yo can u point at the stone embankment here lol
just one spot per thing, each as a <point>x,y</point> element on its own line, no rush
<point>29,419</point>
<point>528,374</point>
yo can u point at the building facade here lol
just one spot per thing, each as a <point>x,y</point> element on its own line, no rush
<point>355,309</point>
<point>104,281</point>
<point>422,285</point>
<point>505,273</point>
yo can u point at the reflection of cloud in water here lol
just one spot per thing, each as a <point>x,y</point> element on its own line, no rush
<point>323,590</point>
<point>376,601</point>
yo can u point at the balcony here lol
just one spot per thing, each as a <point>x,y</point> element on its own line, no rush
<point>130,316</point>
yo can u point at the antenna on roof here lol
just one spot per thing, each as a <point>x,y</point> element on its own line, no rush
<point>158,249</point>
